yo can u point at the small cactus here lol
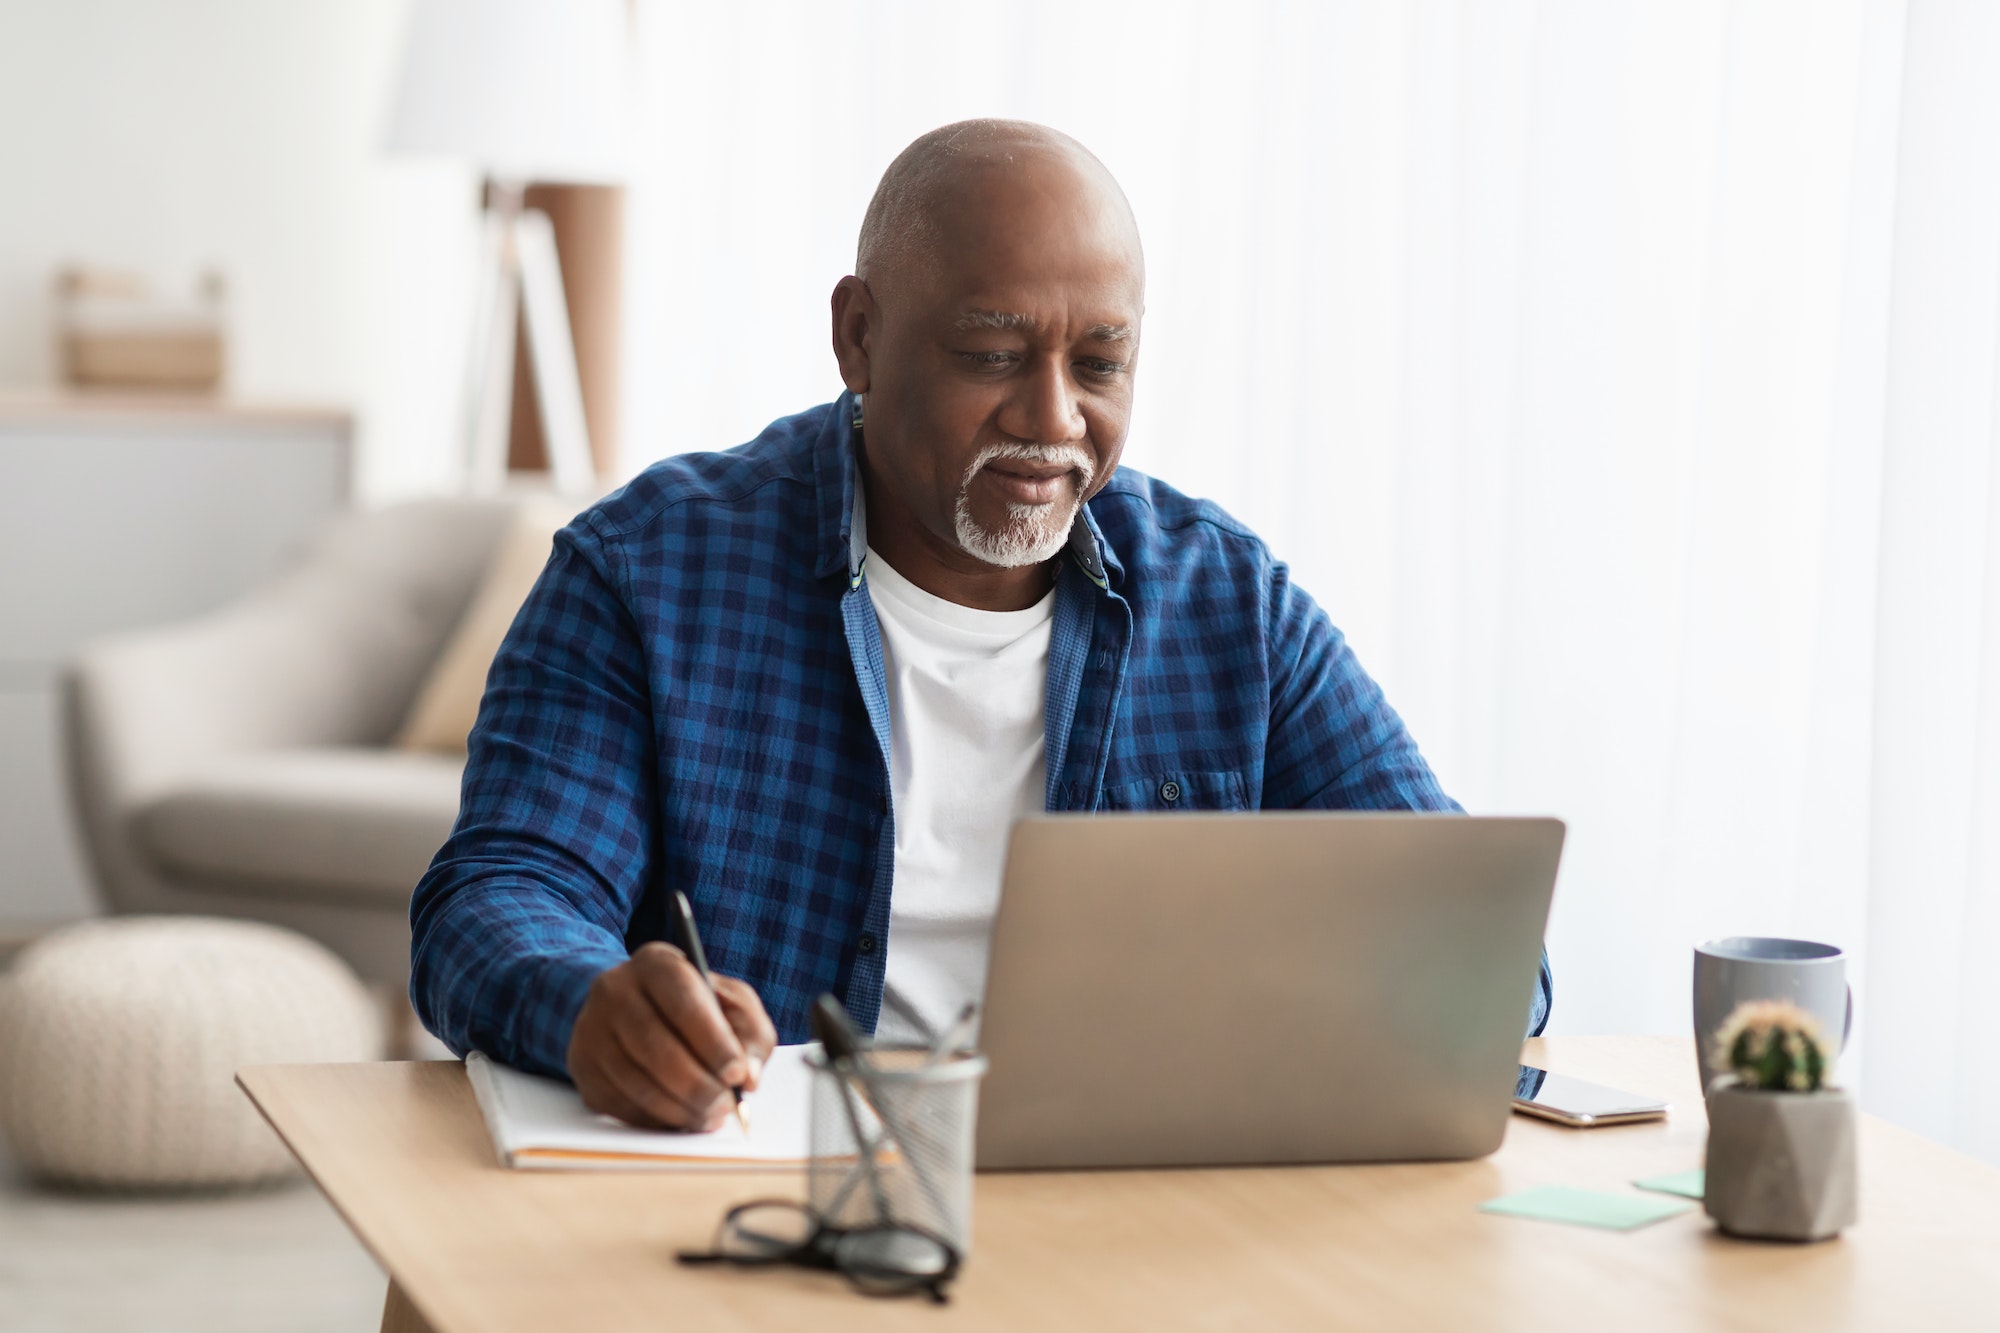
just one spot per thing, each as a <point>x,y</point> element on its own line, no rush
<point>1772,1046</point>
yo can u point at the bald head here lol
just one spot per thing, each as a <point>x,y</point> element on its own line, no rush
<point>974,175</point>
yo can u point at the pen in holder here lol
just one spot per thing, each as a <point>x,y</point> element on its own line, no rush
<point>892,1135</point>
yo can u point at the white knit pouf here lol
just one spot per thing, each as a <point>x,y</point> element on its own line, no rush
<point>120,1041</point>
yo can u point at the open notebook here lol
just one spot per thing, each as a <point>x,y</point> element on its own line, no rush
<point>541,1124</point>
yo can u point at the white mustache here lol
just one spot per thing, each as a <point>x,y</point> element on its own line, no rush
<point>1072,456</point>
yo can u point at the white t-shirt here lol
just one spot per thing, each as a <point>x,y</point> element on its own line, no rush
<point>967,693</point>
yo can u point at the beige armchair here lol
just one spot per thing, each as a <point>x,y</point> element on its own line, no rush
<point>239,765</point>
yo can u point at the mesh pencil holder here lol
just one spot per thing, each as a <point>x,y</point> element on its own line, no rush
<point>892,1145</point>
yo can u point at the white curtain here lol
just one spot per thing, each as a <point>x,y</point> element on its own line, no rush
<point>1620,376</point>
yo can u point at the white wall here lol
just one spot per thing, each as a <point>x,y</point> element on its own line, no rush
<point>1624,377</point>
<point>245,134</point>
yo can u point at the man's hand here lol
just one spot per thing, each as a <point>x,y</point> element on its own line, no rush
<point>655,1048</point>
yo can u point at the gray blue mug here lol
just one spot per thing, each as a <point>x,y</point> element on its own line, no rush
<point>1729,972</point>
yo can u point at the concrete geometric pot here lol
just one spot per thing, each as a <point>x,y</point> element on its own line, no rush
<point>1780,1164</point>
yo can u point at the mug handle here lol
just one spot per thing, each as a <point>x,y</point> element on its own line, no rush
<point>1847,1027</point>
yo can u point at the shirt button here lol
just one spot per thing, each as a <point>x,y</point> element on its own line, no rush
<point>865,945</point>
<point>1170,791</point>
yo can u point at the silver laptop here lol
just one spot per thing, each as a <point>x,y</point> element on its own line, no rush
<point>1224,989</point>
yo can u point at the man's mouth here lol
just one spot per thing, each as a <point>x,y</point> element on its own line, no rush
<point>1027,475</point>
<point>1038,488</point>
<point>1027,481</point>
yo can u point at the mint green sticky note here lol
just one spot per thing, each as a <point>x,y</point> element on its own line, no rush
<point>1584,1208</point>
<point>1688,1184</point>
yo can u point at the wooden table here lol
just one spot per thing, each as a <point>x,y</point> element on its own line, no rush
<point>401,1152</point>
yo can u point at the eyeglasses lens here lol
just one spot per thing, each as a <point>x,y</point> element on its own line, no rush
<point>766,1231</point>
<point>891,1258</point>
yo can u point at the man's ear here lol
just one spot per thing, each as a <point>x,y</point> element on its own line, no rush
<point>853,331</point>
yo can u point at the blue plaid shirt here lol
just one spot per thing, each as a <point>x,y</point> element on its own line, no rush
<point>693,696</point>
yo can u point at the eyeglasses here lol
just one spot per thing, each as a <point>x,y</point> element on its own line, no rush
<point>886,1259</point>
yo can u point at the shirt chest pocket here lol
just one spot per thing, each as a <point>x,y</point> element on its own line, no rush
<point>1177,791</point>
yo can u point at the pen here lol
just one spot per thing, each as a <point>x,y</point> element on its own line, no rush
<point>691,946</point>
<point>954,1038</point>
<point>847,1047</point>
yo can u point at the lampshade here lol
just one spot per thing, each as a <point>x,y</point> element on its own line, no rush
<point>526,90</point>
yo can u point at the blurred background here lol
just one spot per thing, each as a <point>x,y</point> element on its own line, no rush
<point>1622,375</point>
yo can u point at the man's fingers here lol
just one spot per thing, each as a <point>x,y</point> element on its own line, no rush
<point>684,1000</point>
<point>655,1046</point>
<point>660,1106</point>
<point>602,1093</point>
<point>650,1044</point>
<point>745,1012</point>
<point>605,1099</point>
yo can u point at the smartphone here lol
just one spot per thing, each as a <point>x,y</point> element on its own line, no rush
<point>1573,1102</point>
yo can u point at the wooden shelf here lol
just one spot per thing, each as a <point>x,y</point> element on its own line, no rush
<point>58,404</point>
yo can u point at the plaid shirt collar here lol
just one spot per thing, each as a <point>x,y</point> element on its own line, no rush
<point>843,509</point>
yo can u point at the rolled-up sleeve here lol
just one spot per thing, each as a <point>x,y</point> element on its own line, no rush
<point>528,900</point>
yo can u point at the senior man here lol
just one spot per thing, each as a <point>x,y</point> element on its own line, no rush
<point>812,681</point>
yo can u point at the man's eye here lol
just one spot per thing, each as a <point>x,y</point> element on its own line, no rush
<point>1099,368</point>
<point>988,360</point>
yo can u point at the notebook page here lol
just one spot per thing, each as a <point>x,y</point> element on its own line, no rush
<point>542,1123</point>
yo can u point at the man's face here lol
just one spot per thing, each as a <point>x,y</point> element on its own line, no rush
<point>1000,372</point>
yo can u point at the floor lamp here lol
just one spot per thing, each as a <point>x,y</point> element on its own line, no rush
<point>519,275</point>
<point>526,91</point>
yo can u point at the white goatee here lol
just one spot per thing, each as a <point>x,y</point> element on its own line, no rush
<point>1032,532</point>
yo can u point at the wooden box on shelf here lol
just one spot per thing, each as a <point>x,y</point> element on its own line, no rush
<point>112,333</point>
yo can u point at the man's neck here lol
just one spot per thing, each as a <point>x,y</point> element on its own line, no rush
<point>940,568</point>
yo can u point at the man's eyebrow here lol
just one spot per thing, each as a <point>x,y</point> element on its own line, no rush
<point>973,320</point>
<point>1015,321</point>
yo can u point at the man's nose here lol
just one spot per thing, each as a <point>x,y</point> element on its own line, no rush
<point>1043,408</point>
